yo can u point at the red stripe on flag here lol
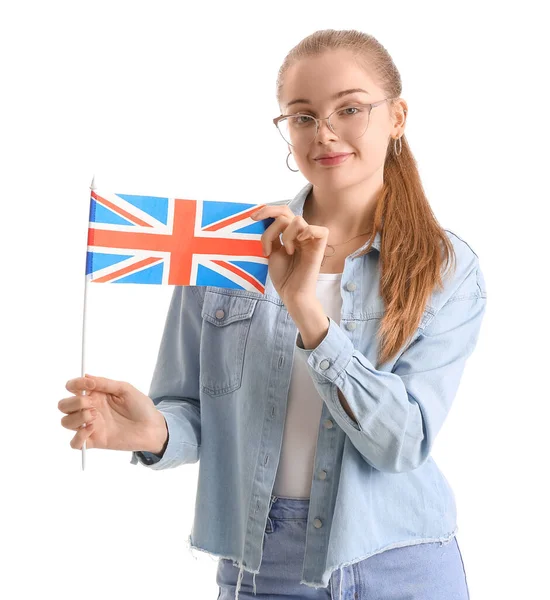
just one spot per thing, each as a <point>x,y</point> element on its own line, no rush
<point>241,274</point>
<point>130,268</point>
<point>115,208</point>
<point>230,220</point>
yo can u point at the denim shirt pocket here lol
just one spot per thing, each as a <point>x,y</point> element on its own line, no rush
<point>227,317</point>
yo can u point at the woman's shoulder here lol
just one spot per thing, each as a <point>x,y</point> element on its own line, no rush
<point>462,277</point>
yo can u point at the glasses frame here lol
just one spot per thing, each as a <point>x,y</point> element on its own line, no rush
<point>318,120</point>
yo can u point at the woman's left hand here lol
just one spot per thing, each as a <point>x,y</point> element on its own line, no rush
<point>294,265</point>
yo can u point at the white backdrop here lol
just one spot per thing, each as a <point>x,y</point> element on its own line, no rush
<point>141,94</point>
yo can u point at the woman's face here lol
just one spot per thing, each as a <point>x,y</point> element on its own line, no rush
<point>318,79</point>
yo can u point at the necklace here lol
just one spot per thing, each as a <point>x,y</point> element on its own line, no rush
<point>340,244</point>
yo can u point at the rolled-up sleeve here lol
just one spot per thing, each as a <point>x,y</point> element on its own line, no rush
<point>400,413</point>
<point>174,387</point>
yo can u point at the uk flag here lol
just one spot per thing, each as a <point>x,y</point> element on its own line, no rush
<point>173,241</point>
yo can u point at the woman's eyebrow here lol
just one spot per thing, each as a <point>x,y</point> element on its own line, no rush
<point>335,97</point>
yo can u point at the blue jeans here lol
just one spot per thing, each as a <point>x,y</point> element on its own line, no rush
<point>426,571</point>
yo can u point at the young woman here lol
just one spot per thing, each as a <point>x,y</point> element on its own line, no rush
<point>314,407</point>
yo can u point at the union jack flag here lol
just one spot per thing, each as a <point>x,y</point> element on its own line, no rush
<point>173,241</point>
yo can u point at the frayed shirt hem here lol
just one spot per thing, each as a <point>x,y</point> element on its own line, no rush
<point>325,583</point>
<point>236,563</point>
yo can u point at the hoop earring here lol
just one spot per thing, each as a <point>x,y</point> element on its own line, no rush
<point>293,170</point>
<point>395,146</point>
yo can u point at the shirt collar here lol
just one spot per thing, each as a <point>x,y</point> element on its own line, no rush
<point>297,207</point>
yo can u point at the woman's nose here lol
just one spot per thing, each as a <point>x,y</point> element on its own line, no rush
<point>325,132</point>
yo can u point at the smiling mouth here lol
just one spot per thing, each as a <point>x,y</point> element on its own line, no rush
<point>336,155</point>
<point>334,160</point>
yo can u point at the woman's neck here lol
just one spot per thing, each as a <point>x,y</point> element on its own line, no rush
<point>345,217</point>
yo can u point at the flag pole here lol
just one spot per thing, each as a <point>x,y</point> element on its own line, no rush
<point>82,373</point>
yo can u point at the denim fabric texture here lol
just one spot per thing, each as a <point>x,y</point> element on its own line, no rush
<point>221,381</point>
<point>430,571</point>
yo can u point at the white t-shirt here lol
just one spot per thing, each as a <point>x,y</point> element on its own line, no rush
<point>295,470</point>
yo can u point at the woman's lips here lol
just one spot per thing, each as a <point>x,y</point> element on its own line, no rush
<point>333,161</point>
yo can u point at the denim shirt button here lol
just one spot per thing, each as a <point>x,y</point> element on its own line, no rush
<point>351,325</point>
<point>322,474</point>
<point>324,364</point>
<point>220,314</point>
<point>327,424</point>
<point>350,286</point>
<point>317,523</point>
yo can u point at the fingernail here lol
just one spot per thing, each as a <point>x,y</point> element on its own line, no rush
<point>90,384</point>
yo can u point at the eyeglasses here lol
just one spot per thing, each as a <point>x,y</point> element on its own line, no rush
<point>300,129</point>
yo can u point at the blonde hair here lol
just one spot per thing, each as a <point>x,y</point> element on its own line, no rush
<point>411,238</point>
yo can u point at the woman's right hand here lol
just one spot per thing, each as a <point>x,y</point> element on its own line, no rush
<point>124,418</point>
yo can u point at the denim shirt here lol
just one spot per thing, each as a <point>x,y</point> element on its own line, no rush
<point>221,381</point>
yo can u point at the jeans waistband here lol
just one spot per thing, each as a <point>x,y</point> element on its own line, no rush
<point>289,508</point>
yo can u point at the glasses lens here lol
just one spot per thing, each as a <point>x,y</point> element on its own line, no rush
<point>351,122</point>
<point>297,130</point>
